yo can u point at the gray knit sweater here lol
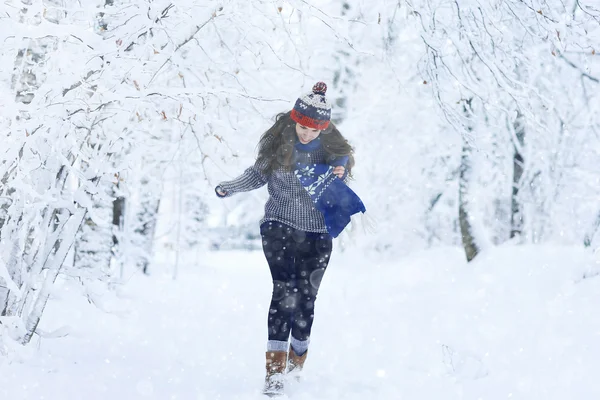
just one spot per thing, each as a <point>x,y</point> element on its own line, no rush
<point>288,202</point>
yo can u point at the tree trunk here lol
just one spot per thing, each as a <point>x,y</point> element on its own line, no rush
<point>146,222</point>
<point>194,214</point>
<point>464,213</point>
<point>93,247</point>
<point>118,223</point>
<point>11,251</point>
<point>12,278</point>
<point>516,216</point>
<point>466,228</point>
<point>589,236</point>
<point>53,265</point>
<point>118,213</point>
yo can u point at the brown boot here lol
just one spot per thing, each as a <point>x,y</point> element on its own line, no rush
<point>276,362</point>
<point>296,362</point>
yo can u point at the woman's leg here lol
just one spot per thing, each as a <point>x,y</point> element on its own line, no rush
<point>312,258</point>
<point>279,248</point>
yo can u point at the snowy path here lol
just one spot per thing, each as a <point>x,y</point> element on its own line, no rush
<point>517,325</point>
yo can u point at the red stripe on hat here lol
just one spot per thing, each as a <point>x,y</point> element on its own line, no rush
<point>309,122</point>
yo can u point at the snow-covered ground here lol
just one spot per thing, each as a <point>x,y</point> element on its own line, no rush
<point>519,323</point>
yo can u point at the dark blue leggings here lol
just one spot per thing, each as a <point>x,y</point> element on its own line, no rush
<point>297,260</point>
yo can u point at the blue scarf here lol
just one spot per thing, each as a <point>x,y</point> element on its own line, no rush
<point>332,197</point>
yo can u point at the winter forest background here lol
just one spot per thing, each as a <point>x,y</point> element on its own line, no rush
<point>475,126</point>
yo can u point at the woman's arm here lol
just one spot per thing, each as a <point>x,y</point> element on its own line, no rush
<point>251,179</point>
<point>339,161</point>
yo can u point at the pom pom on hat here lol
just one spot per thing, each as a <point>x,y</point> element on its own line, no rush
<point>320,88</point>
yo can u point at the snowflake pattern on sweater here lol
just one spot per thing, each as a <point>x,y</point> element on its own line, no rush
<point>306,173</point>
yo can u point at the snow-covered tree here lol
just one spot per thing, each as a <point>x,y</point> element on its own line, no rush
<point>501,54</point>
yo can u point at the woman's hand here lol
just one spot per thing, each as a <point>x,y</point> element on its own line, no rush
<point>220,192</point>
<point>339,171</point>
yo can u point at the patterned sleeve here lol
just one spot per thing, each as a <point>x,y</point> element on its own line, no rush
<point>252,178</point>
<point>339,161</point>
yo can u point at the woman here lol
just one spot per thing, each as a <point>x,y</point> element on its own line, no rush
<point>302,215</point>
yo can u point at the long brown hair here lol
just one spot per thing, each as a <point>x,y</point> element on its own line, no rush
<point>276,145</point>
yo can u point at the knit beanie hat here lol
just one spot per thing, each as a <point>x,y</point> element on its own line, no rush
<point>313,110</point>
